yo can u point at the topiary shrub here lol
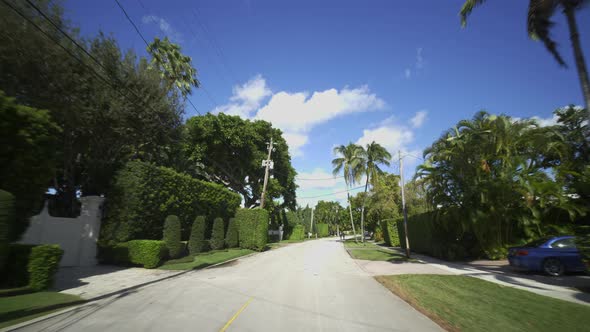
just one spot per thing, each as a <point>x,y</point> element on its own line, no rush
<point>298,233</point>
<point>148,253</point>
<point>252,228</point>
<point>6,219</point>
<point>143,195</point>
<point>390,232</point>
<point>231,238</point>
<point>116,254</point>
<point>322,230</point>
<point>196,243</point>
<point>15,272</point>
<point>217,242</point>
<point>172,236</point>
<point>43,264</point>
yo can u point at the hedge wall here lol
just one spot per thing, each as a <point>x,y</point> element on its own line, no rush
<point>197,243</point>
<point>15,272</point>
<point>217,235</point>
<point>231,238</point>
<point>143,195</point>
<point>43,264</point>
<point>298,233</point>
<point>252,228</point>
<point>389,229</point>
<point>147,253</point>
<point>6,219</point>
<point>322,230</point>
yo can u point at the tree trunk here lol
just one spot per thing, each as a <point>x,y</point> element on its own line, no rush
<point>363,211</point>
<point>578,54</point>
<point>350,209</point>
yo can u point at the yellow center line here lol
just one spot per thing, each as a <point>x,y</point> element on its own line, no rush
<point>235,316</point>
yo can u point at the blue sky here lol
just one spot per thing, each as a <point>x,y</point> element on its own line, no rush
<point>333,72</point>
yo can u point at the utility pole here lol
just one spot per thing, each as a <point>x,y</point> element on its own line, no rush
<point>266,163</point>
<point>401,175</point>
<point>311,226</point>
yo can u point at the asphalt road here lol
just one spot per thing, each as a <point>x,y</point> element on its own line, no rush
<point>311,286</point>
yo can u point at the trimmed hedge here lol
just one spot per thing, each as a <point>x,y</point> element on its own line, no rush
<point>322,230</point>
<point>252,228</point>
<point>217,242</point>
<point>147,253</point>
<point>6,219</point>
<point>171,236</point>
<point>197,243</point>
<point>15,272</point>
<point>42,266</point>
<point>298,233</point>
<point>143,195</point>
<point>231,238</point>
<point>390,232</point>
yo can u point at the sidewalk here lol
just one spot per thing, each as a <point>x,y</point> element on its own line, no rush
<point>564,288</point>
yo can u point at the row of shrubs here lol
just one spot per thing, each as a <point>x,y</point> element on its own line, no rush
<point>30,265</point>
<point>248,230</point>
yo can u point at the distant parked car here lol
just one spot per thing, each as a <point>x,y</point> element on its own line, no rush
<point>552,255</point>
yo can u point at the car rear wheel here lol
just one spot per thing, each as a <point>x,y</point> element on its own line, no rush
<point>553,267</point>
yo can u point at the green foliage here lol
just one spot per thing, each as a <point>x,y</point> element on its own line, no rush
<point>42,266</point>
<point>6,220</point>
<point>235,160</point>
<point>322,230</point>
<point>148,253</point>
<point>171,236</point>
<point>252,228</point>
<point>217,242</point>
<point>175,67</point>
<point>15,274</point>
<point>298,233</point>
<point>28,140</point>
<point>144,194</point>
<point>390,232</point>
<point>231,238</point>
<point>197,243</point>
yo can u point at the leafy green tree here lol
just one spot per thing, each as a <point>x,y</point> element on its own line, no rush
<point>217,235</point>
<point>371,158</point>
<point>228,150</point>
<point>175,68</point>
<point>28,139</point>
<point>349,161</point>
<point>539,26</point>
<point>385,200</point>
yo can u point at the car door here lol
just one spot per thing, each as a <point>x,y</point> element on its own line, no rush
<point>569,255</point>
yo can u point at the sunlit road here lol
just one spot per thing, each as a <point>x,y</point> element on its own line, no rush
<point>312,286</point>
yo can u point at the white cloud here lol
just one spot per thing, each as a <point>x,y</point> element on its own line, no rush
<point>419,119</point>
<point>419,64</point>
<point>419,58</point>
<point>545,122</point>
<point>246,98</point>
<point>392,137</point>
<point>319,179</point>
<point>164,26</point>
<point>296,113</point>
<point>408,73</point>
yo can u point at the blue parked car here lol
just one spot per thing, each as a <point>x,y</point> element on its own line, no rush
<point>553,255</point>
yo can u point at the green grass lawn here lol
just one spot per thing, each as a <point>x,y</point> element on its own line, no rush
<point>19,308</point>
<point>378,255</point>
<point>351,244</point>
<point>461,303</point>
<point>199,261</point>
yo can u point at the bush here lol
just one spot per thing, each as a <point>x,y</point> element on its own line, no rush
<point>15,272</point>
<point>171,236</point>
<point>116,254</point>
<point>28,141</point>
<point>298,233</point>
<point>149,253</point>
<point>390,232</point>
<point>196,243</point>
<point>6,219</point>
<point>252,228</point>
<point>217,241</point>
<point>43,264</point>
<point>143,194</point>
<point>231,238</point>
<point>322,230</point>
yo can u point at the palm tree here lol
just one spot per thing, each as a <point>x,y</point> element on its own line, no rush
<point>371,157</point>
<point>350,162</point>
<point>539,25</point>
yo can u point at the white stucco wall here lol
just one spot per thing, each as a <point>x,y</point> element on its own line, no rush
<point>76,236</point>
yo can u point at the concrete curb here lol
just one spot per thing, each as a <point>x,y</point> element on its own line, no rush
<point>122,290</point>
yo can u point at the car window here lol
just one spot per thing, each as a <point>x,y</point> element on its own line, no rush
<point>565,243</point>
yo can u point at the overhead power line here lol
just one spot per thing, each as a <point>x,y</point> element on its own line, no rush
<point>334,193</point>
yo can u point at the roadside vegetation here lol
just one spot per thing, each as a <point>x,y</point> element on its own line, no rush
<point>377,254</point>
<point>460,303</point>
<point>19,308</point>
<point>199,261</point>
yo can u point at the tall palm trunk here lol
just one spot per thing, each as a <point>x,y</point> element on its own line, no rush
<point>350,209</point>
<point>578,54</point>
<point>363,211</point>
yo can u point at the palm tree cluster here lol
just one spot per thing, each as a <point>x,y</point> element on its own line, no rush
<point>506,179</point>
<point>356,161</point>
